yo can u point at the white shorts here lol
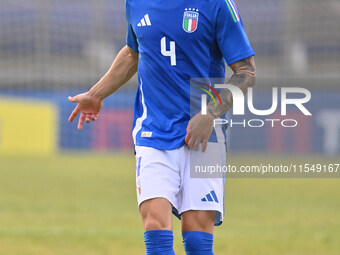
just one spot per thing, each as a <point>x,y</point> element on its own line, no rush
<point>166,174</point>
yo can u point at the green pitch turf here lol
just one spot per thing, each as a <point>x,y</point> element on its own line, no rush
<point>83,204</point>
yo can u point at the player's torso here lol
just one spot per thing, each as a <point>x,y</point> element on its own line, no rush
<point>176,42</point>
<point>178,35</point>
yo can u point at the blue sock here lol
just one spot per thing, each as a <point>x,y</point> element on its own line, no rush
<point>159,242</point>
<point>198,243</point>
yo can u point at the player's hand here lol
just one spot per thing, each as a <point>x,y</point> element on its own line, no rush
<point>199,130</point>
<point>88,106</point>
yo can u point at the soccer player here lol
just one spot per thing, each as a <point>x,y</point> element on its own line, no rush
<point>170,42</point>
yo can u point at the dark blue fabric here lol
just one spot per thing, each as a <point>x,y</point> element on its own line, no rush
<point>159,242</point>
<point>198,243</point>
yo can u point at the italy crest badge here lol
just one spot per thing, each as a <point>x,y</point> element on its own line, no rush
<point>190,20</point>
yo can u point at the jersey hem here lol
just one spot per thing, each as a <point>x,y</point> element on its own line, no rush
<point>161,147</point>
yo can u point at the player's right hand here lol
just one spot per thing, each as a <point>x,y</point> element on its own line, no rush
<point>88,106</point>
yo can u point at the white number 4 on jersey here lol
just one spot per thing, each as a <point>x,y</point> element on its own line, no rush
<point>169,53</point>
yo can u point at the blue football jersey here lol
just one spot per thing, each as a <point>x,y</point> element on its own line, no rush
<point>177,41</point>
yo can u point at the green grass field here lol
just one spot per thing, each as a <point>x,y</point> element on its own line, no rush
<point>86,204</point>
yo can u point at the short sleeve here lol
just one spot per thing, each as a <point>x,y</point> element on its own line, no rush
<point>131,38</point>
<point>230,34</point>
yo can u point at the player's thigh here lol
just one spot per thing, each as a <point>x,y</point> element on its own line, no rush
<point>158,183</point>
<point>203,192</point>
<point>157,175</point>
<point>156,214</point>
<point>203,221</point>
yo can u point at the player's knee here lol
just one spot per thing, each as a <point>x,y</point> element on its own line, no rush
<point>156,215</point>
<point>202,221</point>
<point>154,220</point>
<point>151,223</point>
<point>198,243</point>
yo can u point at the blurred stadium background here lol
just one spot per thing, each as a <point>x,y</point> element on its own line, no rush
<point>52,49</point>
<point>68,192</point>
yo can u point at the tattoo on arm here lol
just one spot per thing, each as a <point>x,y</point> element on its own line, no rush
<point>243,77</point>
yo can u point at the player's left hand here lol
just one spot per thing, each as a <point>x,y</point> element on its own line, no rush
<point>199,130</point>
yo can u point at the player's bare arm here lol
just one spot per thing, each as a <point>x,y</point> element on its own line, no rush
<point>244,77</point>
<point>90,103</point>
<point>201,126</point>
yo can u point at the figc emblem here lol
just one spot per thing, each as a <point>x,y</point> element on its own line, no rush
<point>190,20</point>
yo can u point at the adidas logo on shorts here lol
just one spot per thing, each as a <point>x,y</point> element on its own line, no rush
<point>210,197</point>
